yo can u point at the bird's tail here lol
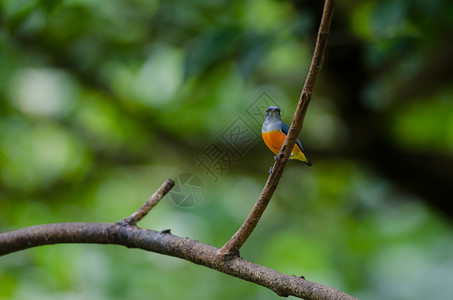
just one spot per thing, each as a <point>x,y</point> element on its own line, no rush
<point>302,157</point>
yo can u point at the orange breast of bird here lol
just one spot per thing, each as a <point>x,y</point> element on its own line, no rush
<point>274,141</point>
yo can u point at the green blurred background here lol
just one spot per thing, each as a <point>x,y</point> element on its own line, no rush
<point>101,101</point>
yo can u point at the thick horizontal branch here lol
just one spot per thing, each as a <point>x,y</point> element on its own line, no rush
<point>225,260</point>
<point>168,244</point>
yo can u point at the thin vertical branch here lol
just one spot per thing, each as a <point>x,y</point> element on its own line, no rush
<point>240,237</point>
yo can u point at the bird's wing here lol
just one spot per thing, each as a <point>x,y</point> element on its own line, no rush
<point>285,130</point>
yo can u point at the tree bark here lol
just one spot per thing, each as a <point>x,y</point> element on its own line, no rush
<point>226,259</point>
<point>168,244</point>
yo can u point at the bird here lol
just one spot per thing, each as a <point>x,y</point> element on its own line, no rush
<point>274,132</point>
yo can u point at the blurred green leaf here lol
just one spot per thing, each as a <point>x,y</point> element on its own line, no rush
<point>426,125</point>
<point>100,101</point>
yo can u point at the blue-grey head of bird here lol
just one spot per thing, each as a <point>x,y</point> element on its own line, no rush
<point>273,112</point>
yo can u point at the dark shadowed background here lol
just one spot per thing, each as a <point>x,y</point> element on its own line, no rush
<point>101,101</point>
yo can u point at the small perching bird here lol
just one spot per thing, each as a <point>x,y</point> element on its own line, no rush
<point>274,133</point>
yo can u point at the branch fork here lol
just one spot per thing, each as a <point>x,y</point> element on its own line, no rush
<point>225,259</point>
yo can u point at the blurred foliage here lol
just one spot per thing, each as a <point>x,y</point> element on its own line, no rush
<point>101,101</point>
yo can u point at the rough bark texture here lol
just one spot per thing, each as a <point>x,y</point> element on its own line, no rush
<point>168,244</point>
<point>227,258</point>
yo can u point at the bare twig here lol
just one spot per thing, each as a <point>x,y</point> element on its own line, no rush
<point>225,259</point>
<point>168,244</point>
<point>153,200</point>
<point>240,237</point>
<point>127,234</point>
